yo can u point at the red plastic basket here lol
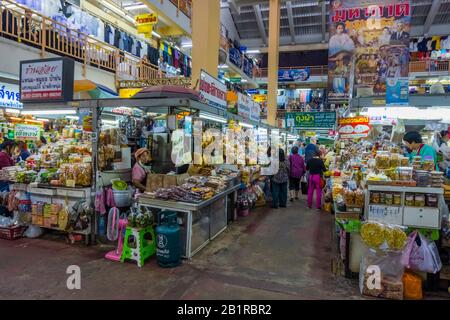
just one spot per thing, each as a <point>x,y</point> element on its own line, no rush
<point>12,233</point>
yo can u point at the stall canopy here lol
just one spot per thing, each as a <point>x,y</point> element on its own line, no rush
<point>87,89</point>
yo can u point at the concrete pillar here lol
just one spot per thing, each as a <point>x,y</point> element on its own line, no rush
<point>274,44</point>
<point>205,37</point>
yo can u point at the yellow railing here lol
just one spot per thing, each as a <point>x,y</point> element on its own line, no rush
<point>30,27</point>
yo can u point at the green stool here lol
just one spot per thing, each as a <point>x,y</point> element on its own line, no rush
<point>143,248</point>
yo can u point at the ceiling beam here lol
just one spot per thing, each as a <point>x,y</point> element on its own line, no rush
<point>291,20</point>
<point>435,5</point>
<point>260,23</point>
<point>324,20</point>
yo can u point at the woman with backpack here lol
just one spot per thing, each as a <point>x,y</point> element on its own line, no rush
<point>316,169</point>
<point>279,183</point>
<point>296,171</point>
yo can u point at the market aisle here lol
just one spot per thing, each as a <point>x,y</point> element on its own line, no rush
<point>273,254</point>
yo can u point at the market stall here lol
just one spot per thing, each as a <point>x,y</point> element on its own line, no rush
<point>376,189</point>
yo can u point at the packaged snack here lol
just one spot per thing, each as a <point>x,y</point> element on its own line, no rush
<point>372,233</point>
<point>359,197</point>
<point>395,237</point>
<point>404,161</point>
<point>409,199</point>
<point>375,197</point>
<point>394,160</point>
<point>349,197</point>
<point>389,198</point>
<point>397,199</point>
<point>405,173</point>
<point>432,200</point>
<point>419,200</point>
<point>382,161</point>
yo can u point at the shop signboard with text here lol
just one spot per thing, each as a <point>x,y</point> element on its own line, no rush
<point>27,132</point>
<point>354,127</point>
<point>397,91</point>
<point>244,105</point>
<point>255,111</point>
<point>300,120</point>
<point>235,57</point>
<point>294,74</point>
<point>46,80</point>
<point>369,43</point>
<point>10,96</point>
<point>212,91</point>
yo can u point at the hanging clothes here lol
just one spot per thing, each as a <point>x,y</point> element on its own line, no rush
<point>138,48</point>
<point>100,202</point>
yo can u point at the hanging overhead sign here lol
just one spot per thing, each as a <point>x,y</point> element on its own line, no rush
<point>235,57</point>
<point>369,43</point>
<point>212,91</point>
<point>10,96</point>
<point>294,74</point>
<point>244,105</point>
<point>354,127</point>
<point>46,80</point>
<point>255,111</point>
<point>300,120</point>
<point>145,23</point>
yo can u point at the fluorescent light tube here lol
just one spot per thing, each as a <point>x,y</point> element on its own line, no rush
<point>186,45</point>
<point>253,51</point>
<point>135,6</point>
<point>111,122</point>
<point>213,118</point>
<point>243,80</point>
<point>43,119</point>
<point>246,125</point>
<point>156,34</point>
<point>8,110</point>
<point>113,8</point>
<point>49,112</point>
<point>73,117</point>
<point>223,66</point>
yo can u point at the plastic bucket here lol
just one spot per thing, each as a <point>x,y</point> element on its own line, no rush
<point>123,198</point>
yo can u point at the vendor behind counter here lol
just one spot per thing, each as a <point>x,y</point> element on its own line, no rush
<point>141,169</point>
<point>413,141</point>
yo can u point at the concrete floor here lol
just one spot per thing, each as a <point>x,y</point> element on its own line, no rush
<point>272,254</point>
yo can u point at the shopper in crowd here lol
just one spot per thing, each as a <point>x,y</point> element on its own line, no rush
<point>296,171</point>
<point>311,149</point>
<point>23,151</point>
<point>316,168</point>
<point>301,149</point>
<point>9,151</point>
<point>141,169</point>
<point>413,141</point>
<point>442,148</point>
<point>279,182</point>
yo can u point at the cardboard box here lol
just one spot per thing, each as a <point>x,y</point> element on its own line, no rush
<point>37,220</point>
<point>154,182</point>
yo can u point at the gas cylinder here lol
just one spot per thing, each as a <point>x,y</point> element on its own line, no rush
<point>168,244</point>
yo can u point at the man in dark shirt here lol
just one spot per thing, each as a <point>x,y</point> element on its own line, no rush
<point>311,149</point>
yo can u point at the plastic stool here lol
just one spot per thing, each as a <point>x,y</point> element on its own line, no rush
<point>143,249</point>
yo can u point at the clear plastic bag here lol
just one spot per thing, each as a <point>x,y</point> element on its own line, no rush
<point>381,274</point>
<point>33,232</point>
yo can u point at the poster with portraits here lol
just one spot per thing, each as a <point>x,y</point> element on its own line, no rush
<point>369,43</point>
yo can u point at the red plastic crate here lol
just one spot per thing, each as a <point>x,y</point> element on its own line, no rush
<point>12,233</point>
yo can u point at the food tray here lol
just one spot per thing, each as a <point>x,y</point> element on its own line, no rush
<point>12,233</point>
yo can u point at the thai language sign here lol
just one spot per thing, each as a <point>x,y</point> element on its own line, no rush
<point>212,91</point>
<point>354,127</point>
<point>46,80</point>
<point>310,119</point>
<point>369,43</point>
<point>10,96</point>
<point>26,132</point>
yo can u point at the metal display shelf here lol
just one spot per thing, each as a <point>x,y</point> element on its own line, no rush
<point>418,217</point>
<point>201,222</point>
<point>405,189</point>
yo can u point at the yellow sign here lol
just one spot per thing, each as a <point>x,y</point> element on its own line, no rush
<point>145,23</point>
<point>260,98</point>
<point>379,102</point>
<point>310,134</point>
<point>128,93</point>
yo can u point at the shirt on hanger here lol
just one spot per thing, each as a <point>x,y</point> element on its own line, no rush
<point>101,30</point>
<point>117,38</point>
<point>138,47</point>
<point>144,50</point>
<point>129,43</point>
<point>108,34</point>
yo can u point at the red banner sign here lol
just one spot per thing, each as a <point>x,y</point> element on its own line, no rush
<point>354,128</point>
